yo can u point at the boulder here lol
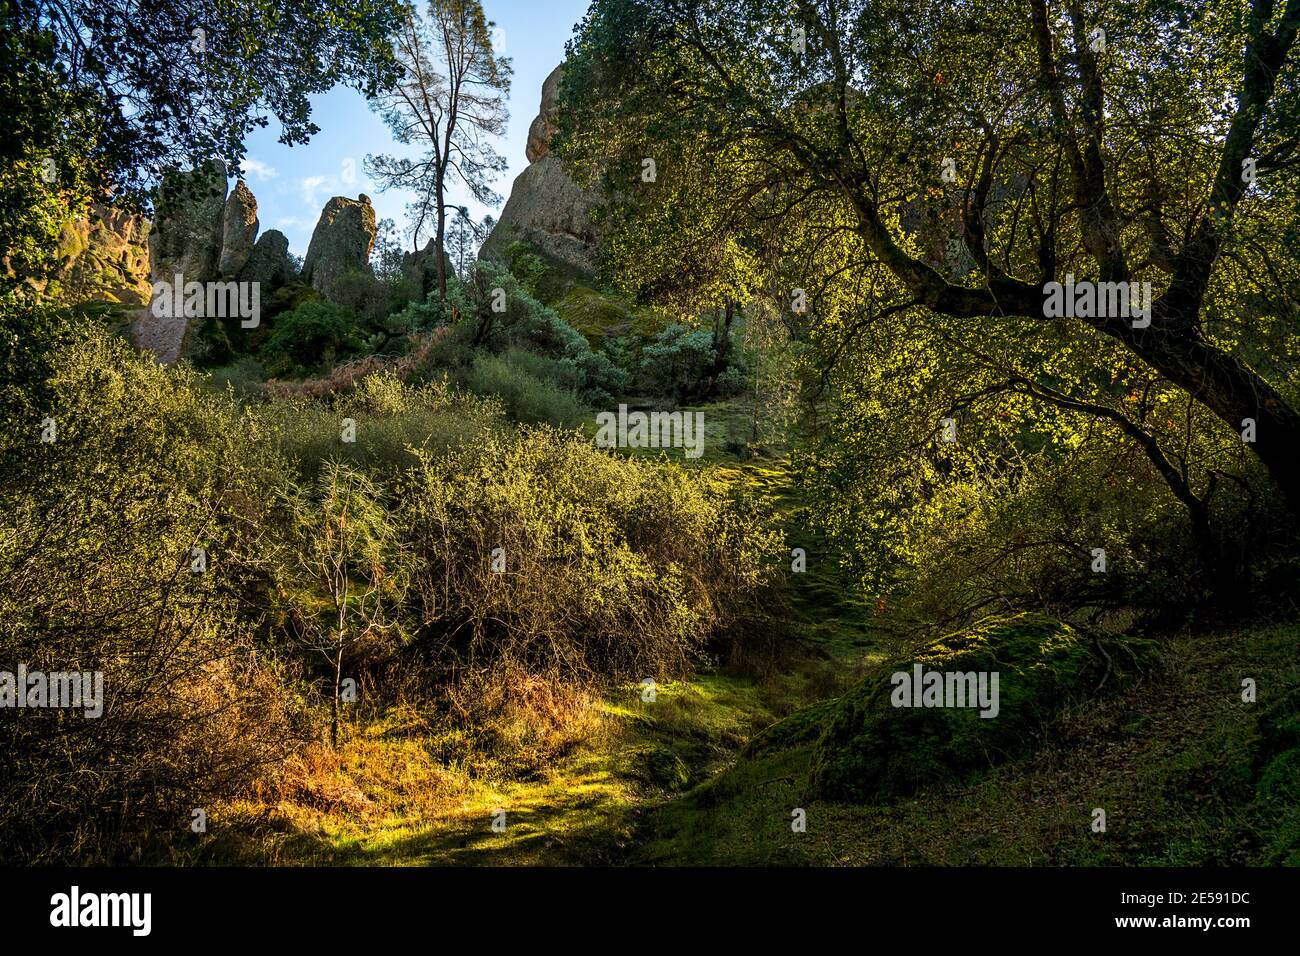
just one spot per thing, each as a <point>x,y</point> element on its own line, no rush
<point>871,750</point>
<point>552,213</point>
<point>186,240</point>
<point>341,242</point>
<point>239,230</point>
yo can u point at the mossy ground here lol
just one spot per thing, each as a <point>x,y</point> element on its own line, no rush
<point>1171,761</point>
<point>872,751</point>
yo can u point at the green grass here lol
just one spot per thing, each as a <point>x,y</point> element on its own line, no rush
<point>383,798</point>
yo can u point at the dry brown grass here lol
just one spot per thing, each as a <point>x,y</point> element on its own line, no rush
<point>526,719</point>
<point>345,377</point>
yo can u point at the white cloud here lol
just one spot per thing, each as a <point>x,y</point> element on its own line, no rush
<point>258,168</point>
<point>311,185</point>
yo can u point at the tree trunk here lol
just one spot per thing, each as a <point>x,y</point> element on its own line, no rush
<point>439,242</point>
<point>334,704</point>
<point>721,347</point>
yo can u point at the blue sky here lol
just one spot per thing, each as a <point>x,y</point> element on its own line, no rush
<point>293,184</point>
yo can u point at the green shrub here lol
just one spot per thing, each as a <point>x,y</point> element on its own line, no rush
<point>380,307</point>
<point>556,371</point>
<point>526,324</point>
<point>313,336</point>
<point>393,422</point>
<point>97,536</point>
<point>614,569</point>
<point>526,397</point>
<point>1277,789</point>
<point>682,362</point>
<point>244,377</point>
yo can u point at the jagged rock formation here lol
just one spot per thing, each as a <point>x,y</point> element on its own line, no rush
<point>341,242</point>
<point>105,258</point>
<point>543,125</point>
<point>238,231</point>
<point>546,207</point>
<point>189,222</point>
<point>205,236</point>
<point>269,262</point>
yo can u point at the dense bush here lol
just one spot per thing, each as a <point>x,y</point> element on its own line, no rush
<point>676,361</point>
<point>528,397</point>
<point>324,557</point>
<point>310,337</point>
<point>377,306</point>
<point>392,422</point>
<point>513,319</point>
<point>97,531</point>
<point>684,363</point>
<point>613,568</point>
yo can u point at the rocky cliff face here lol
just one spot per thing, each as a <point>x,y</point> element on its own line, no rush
<point>546,207</point>
<point>105,258</point>
<point>341,242</point>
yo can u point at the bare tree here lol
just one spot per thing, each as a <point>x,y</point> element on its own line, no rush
<point>451,99</point>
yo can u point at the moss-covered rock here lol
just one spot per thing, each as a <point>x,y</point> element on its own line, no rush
<point>1277,790</point>
<point>663,767</point>
<point>802,727</point>
<point>104,257</point>
<point>600,316</point>
<point>593,314</point>
<point>872,750</point>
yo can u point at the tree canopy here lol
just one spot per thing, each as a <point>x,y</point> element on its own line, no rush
<point>924,172</point>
